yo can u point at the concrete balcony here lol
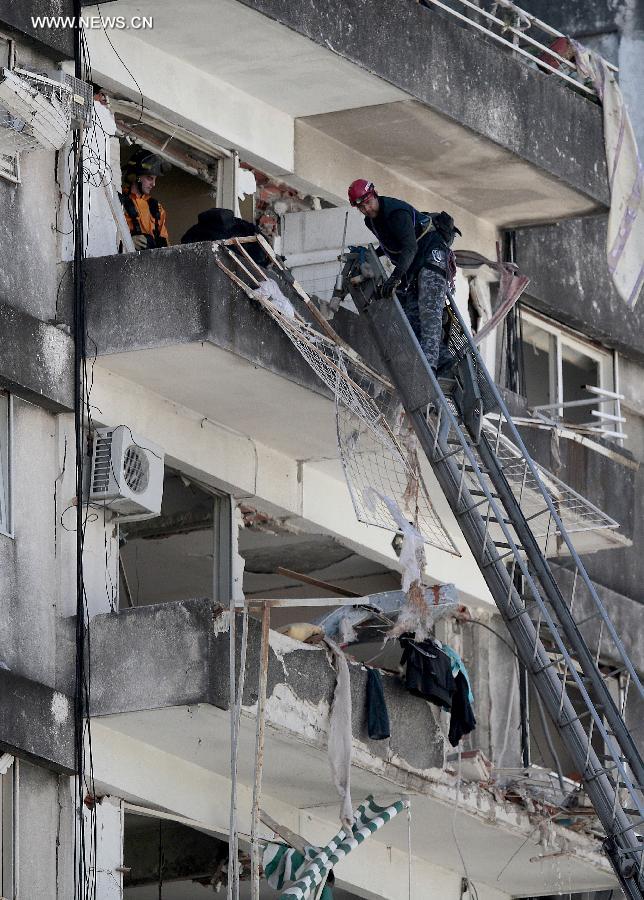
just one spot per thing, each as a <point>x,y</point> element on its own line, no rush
<point>319,93</point>
<point>37,722</point>
<point>577,290</point>
<point>161,738</point>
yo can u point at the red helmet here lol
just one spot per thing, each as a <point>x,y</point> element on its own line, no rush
<point>360,190</point>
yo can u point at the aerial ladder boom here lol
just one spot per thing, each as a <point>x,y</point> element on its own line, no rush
<point>487,475</point>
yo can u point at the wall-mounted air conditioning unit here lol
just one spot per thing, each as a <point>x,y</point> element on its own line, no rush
<point>127,473</point>
<point>35,111</point>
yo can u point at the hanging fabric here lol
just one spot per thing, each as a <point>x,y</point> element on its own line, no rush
<point>378,727</point>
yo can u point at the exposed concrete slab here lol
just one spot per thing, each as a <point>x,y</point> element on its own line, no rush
<point>178,296</point>
<point>37,722</point>
<point>570,281</point>
<point>192,742</point>
<point>36,360</point>
<point>457,73</point>
<point>426,148</point>
<point>151,639</point>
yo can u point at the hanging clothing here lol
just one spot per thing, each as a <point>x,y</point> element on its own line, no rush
<point>462,719</point>
<point>377,713</point>
<point>458,666</point>
<point>428,671</point>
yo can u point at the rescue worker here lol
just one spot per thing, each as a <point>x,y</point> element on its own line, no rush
<point>218,224</point>
<point>145,216</point>
<point>100,94</point>
<point>417,243</point>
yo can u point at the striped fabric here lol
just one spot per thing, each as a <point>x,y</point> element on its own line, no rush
<point>369,818</point>
<point>283,864</point>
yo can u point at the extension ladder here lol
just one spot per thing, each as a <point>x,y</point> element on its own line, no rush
<point>487,475</point>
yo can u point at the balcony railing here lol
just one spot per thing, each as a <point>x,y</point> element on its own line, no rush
<point>513,25</point>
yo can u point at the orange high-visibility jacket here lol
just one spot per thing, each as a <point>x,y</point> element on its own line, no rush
<point>145,222</point>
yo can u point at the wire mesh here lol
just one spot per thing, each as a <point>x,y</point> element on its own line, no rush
<point>14,136</point>
<point>576,512</point>
<point>377,446</point>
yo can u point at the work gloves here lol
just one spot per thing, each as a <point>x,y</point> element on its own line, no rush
<point>390,286</point>
<point>140,241</point>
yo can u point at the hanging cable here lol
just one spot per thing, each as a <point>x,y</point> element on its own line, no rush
<point>84,837</point>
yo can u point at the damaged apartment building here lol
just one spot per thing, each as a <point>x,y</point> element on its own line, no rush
<point>283,614</point>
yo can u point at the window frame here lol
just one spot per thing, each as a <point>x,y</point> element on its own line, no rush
<point>10,167</point>
<point>6,465</point>
<point>561,335</point>
<point>8,825</point>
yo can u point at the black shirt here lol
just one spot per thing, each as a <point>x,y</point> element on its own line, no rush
<point>402,233</point>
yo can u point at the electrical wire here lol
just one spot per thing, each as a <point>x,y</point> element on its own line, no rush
<point>544,720</point>
<point>121,60</point>
<point>85,838</point>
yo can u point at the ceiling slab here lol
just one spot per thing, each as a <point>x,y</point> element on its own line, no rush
<point>428,149</point>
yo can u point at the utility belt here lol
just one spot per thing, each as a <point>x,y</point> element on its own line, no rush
<point>435,255</point>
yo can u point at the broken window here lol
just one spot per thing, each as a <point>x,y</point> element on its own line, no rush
<point>560,366</point>
<point>182,554</point>
<point>6,826</point>
<point>5,462</point>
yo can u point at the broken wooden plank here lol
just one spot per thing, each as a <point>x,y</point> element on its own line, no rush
<point>316,582</point>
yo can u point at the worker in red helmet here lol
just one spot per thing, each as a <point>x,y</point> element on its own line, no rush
<point>417,243</point>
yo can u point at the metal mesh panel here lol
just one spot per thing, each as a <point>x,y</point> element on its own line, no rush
<point>377,447</point>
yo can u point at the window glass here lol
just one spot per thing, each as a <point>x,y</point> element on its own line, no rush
<point>559,366</point>
<point>578,370</point>
<point>536,360</point>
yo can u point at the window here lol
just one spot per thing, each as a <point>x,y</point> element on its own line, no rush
<point>7,862</point>
<point>5,463</point>
<point>181,554</point>
<point>559,367</point>
<point>10,167</point>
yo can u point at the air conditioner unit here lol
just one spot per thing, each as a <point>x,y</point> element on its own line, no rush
<point>35,111</point>
<point>127,473</point>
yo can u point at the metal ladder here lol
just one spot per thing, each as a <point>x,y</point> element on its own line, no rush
<point>493,487</point>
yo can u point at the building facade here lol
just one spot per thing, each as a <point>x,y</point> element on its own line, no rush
<point>242,435</point>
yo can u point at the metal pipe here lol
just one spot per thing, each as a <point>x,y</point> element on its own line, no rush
<point>259,753</point>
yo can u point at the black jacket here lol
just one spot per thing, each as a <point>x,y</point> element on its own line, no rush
<point>408,236</point>
<point>428,671</point>
<point>218,224</point>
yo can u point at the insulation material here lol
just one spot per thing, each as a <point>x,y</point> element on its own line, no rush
<point>269,290</point>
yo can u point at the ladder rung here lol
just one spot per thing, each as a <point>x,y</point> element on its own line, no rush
<point>527,609</point>
<point>476,493</point>
<point>468,509</point>
<point>447,455</point>
<point>496,559</point>
<point>505,546</point>
<point>589,618</point>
